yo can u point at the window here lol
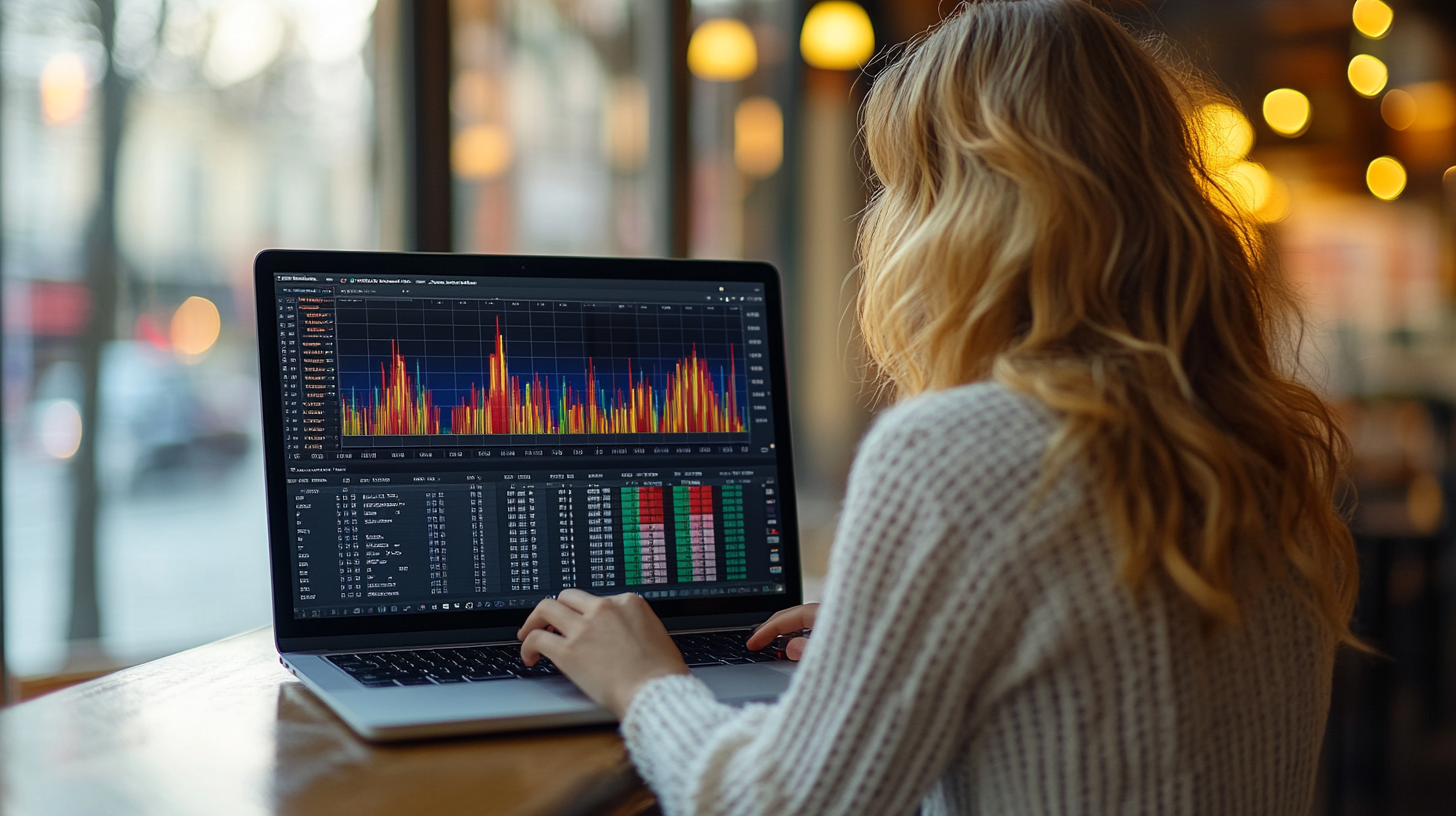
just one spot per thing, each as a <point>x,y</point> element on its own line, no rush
<point>233,126</point>
<point>558,115</point>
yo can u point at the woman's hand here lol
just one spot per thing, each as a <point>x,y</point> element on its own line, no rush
<point>786,621</point>
<point>608,646</point>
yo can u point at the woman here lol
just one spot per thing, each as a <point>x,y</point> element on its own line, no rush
<point>1092,562</point>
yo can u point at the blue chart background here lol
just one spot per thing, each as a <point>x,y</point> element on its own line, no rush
<point>450,342</point>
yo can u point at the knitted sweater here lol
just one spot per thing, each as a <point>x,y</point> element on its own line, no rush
<point>975,654</point>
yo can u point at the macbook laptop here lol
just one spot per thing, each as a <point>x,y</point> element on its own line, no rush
<point>452,438</point>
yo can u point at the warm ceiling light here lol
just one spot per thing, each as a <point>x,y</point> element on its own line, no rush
<point>1386,178</point>
<point>1367,74</point>
<point>722,50</point>
<point>1287,112</point>
<point>1398,109</point>
<point>1226,135</point>
<point>62,89</point>
<point>837,36</point>
<point>1373,18</point>
<point>195,326</point>
<point>480,152</point>
<point>758,136</point>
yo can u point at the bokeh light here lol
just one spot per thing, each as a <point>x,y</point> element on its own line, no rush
<point>837,36</point>
<point>1386,178</point>
<point>722,50</point>
<point>1398,109</point>
<point>481,152</point>
<point>62,89</point>
<point>758,136</point>
<point>195,327</point>
<point>1225,134</point>
<point>246,38</point>
<point>1372,18</point>
<point>1278,205</point>
<point>1287,112</point>
<point>627,125</point>
<point>60,428</point>
<point>1249,184</point>
<point>1367,75</point>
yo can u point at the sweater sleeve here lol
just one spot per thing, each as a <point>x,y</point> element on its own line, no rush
<point>918,611</point>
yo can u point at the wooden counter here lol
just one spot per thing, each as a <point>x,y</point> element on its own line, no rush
<point>224,729</point>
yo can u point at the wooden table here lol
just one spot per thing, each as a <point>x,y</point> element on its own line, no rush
<point>224,729</point>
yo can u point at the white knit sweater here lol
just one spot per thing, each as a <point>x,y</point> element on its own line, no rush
<point>975,654</point>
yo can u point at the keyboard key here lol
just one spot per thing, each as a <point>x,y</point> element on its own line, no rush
<point>481,677</point>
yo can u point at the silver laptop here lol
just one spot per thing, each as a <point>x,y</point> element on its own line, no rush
<point>452,438</point>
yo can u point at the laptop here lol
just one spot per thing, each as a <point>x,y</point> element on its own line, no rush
<point>449,439</point>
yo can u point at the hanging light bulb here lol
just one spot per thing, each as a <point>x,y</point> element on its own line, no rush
<point>722,50</point>
<point>1287,112</point>
<point>837,36</point>
<point>1386,178</point>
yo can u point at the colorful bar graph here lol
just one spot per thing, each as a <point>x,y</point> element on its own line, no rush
<point>690,399</point>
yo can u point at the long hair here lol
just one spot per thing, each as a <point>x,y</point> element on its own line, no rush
<point>1046,216</point>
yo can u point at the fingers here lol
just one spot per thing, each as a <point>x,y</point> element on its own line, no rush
<point>579,601</point>
<point>539,643</point>
<point>782,623</point>
<point>795,649</point>
<point>551,613</point>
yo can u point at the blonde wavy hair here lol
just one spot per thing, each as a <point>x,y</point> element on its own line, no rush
<point>1045,216</point>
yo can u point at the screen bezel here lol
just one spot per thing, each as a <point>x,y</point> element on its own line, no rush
<point>488,625</point>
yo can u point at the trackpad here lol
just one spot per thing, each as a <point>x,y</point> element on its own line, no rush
<point>744,684</point>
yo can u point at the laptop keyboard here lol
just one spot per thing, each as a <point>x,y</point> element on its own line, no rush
<point>481,664</point>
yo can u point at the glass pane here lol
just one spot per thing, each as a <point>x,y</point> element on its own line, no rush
<point>241,125</point>
<point>742,58</point>
<point>554,143</point>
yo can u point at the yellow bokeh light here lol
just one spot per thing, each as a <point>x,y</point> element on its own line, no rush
<point>1386,178</point>
<point>1449,177</point>
<point>195,326</point>
<point>481,152</point>
<point>1398,109</point>
<point>1249,184</point>
<point>758,136</point>
<point>1227,136</point>
<point>1251,191</point>
<point>1367,74</point>
<point>722,50</point>
<point>1287,112</point>
<point>62,89</point>
<point>1279,203</point>
<point>1372,18</point>
<point>837,36</point>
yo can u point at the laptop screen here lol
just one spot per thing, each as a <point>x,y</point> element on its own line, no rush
<point>457,443</point>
